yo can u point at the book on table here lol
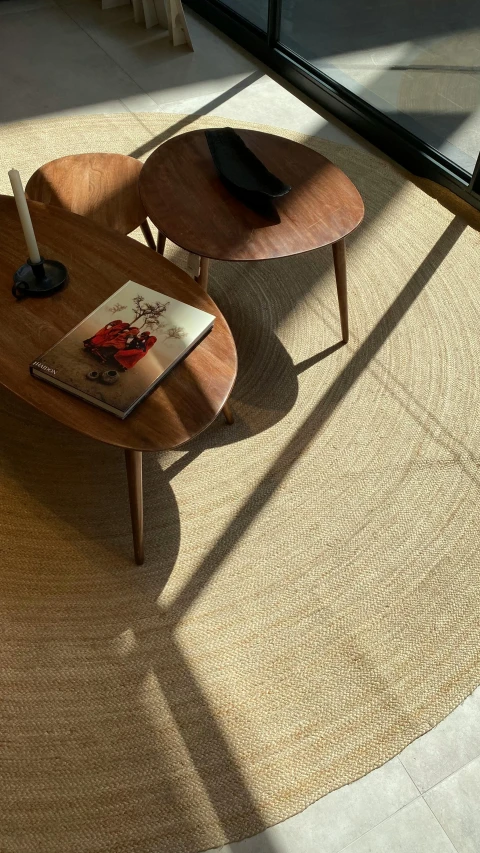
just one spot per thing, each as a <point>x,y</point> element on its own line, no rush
<point>123,349</point>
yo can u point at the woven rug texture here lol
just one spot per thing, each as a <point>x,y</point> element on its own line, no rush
<point>310,602</point>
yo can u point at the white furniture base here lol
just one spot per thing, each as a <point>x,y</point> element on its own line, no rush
<point>168,14</point>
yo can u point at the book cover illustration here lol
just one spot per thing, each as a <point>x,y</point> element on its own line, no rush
<point>114,356</point>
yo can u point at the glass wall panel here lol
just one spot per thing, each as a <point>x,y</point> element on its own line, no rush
<point>417,61</point>
<point>255,11</point>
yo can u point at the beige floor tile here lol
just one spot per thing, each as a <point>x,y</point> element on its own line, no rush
<point>447,747</point>
<point>456,804</point>
<point>164,72</point>
<point>70,72</point>
<point>414,829</point>
<point>339,818</point>
<point>17,6</point>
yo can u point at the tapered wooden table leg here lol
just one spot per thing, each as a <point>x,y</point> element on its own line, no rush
<point>228,414</point>
<point>133,459</point>
<point>340,263</point>
<point>161,240</point>
<point>148,234</point>
<point>202,277</point>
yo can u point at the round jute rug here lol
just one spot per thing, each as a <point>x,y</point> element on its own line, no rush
<point>310,603</point>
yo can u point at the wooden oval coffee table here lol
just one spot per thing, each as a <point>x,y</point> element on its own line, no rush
<point>99,261</point>
<point>185,198</point>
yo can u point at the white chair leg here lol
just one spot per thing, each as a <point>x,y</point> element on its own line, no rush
<point>150,14</point>
<point>179,32</point>
<point>161,9</point>
<point>138,13</point>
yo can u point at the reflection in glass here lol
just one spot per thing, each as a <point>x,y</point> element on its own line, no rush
<point>418,61</point>
<point>255,11</point>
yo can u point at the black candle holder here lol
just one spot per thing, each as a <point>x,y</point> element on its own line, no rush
<point>37,280</point>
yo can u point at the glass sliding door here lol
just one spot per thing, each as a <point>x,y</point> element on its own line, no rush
<point>417,61</point>
<point>254,11</point>
<point>403,73</point>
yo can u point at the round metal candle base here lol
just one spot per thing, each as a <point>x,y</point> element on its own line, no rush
<point>39,280</point>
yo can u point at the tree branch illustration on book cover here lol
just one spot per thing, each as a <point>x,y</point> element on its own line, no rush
<point>120,344</point>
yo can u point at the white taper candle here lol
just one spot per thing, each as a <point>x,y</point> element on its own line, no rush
<point>24,214</point>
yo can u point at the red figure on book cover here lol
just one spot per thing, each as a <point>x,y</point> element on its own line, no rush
<point>105,337</point>
<point>135,349</point>
<point>122,342</point>
<point>122,337</point>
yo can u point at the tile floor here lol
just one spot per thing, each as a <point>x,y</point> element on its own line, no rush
<point>426,800</point>
<point>100,62</point>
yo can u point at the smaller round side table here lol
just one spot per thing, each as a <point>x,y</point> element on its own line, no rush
<point>187,201</point>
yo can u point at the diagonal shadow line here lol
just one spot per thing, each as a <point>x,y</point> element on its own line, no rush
<point>208,746</point>
<point>458,69</point>
<point>177,467</point>
<point>403,395</point>
<point>319,356</point>
<point>192,117</point>
<point>318,417</point>
<point>445,438</point>
<point>204,740</point>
